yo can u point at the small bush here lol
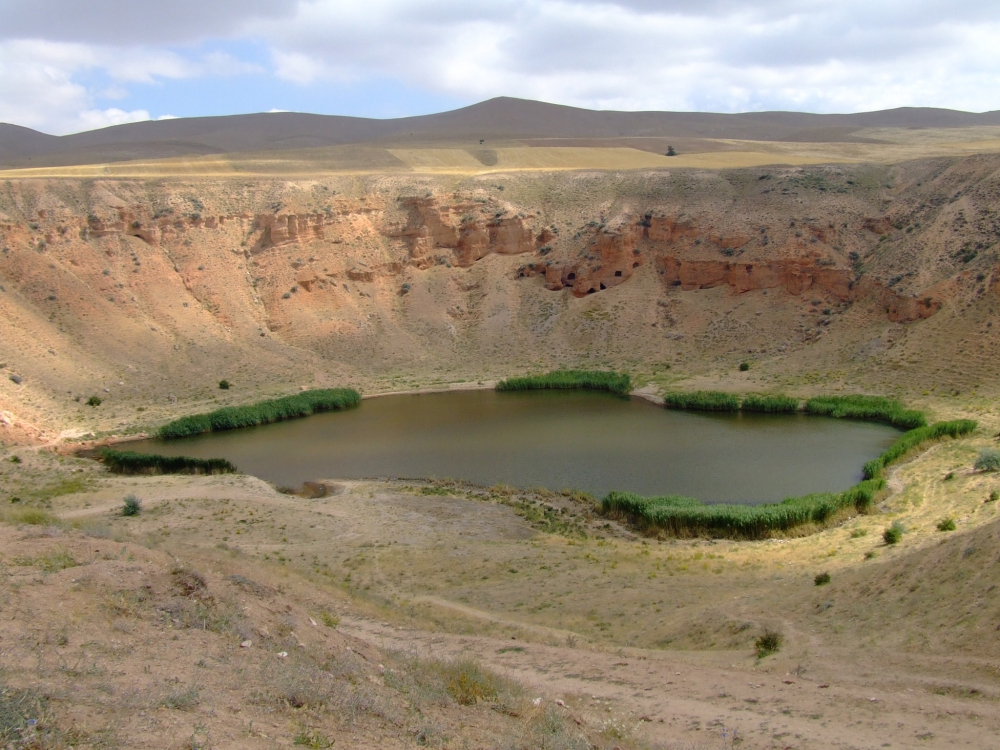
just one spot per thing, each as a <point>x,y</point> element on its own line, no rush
<point>744,366</point>
<point>94,401</point>
<point>988,460</point>
<point>131,506</point>
<point>858,533</point>
<point>822,579</point>
<point>769,642</point>
<point>15,459</point>
<point>329,619</point>
<point>993,497</point>
<point>893,534</point>
<point>946,524</point>
<point>224,385</point>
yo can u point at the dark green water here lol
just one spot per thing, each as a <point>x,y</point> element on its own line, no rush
<point>576,439</point>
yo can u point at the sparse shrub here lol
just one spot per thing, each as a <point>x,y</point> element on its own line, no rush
<point>131,506</point>
<point>51,562</point>
<point>312,739</point>
<point>614,382</point>
<point>769,642</point>
<point>988,460</point>
<point>286,295</point>
<point>29,516</point>
<point>182,700</point>
<point>946,524</point>
<point>821,579</point>
<point>469,683</point>
<point>17,708</point>
<point>893,534</point>
<point>858,533</point>
<point>94,401</point>
<point>949,476</point>
<point>744,366</point>
<point>15,459</point>
<point>993,496</point>
<point>224,385</point>
<point>329,619</point>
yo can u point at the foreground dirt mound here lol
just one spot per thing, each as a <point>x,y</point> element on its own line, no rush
<point>109,644</point>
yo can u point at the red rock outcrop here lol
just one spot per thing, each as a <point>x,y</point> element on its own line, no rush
<point>462,229</point>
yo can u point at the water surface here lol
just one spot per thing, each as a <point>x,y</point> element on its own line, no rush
<point>589,441</point>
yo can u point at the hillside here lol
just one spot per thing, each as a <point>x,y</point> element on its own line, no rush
<point>146,293</point>
<point>502,120</point>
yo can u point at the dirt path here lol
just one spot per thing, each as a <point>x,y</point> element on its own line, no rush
<point>704,700</point>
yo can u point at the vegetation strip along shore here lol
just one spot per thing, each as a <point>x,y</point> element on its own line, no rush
<point>275,410</point>
<point>598,380</point>
<point>130,462</point>
<point>679,516</point>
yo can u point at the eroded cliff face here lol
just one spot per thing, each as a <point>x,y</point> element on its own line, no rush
<point>148,294</point>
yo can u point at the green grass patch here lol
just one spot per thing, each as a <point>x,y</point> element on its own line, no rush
<point>870,408</point>
<point>597,380</point>
<point>130,462</point>
<point>702,401</point>
<point>275,410</point>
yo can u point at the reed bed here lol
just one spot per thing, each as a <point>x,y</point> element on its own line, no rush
<point>872,408</point>
<point>677,516</point>
<point>665,515</point>
<point>702,401</point>
<point>275,410</point>
<point>598,380</point>
<point>910,441</point>
<point>130,462</point>
<point>770,404</point>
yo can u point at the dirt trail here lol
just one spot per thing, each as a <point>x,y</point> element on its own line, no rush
<point>709,698</point>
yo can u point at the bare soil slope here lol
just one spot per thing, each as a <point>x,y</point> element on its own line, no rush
<point>147,293</point>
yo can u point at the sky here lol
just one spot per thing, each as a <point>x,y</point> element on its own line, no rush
<point>69,65</point>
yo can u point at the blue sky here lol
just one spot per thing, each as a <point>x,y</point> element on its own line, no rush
<point>67,65</point>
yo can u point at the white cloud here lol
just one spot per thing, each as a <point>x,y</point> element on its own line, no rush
<point>723,55</point>
<point>40,88</point>
<point>92,119</point>
<point>639,54</point>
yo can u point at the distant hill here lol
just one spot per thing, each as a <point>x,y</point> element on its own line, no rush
<point>500,119</point>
